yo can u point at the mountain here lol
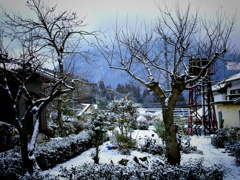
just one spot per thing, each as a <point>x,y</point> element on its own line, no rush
<point>100,71</point>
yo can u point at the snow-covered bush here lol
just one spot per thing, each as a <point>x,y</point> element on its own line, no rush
<point>124,143</point>
<point>72,127</point>
<point>10,165</point>
<point>190,170</point>
<point>123,114</point>
<point>225,136</point>
<point>79,126</point>
<point>143,125</point>
<point>235,149</point>
<point>97,130</point>
<point>191,149</point>
<point>49,154</point>
<point>228,138</point>
<point>151,147</point>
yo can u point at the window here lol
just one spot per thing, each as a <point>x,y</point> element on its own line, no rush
<point>235,91</point>
<point>234,94</point>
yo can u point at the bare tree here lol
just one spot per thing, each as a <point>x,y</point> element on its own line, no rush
<point>56,36</point>
<point>161,56</point>
<point>46,37</point>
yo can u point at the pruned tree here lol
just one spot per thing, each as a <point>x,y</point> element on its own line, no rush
<point>123,115</point>
<point>98,126</point>
<point>161,56</point>
<point>45,37</point>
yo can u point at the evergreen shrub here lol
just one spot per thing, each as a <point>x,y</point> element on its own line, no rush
<point>228,138</point>
<point>190,170</point>
<point>10,165</point>
<point>49,154</point>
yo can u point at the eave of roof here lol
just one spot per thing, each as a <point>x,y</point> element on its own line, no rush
<point>234,102</point>
<point>222,84</point>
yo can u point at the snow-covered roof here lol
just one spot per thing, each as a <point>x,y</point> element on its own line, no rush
<point>86,106</point>
<point>45,74</point>
<point>39,71</point>
<point>218,86</point>
<point>233,78</point>
<point>4,123</point>
<point>223,83</point>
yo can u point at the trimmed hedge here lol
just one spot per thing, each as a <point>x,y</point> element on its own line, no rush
<point>191,170</point>
<point>47,154</point>
<point>57,151</point>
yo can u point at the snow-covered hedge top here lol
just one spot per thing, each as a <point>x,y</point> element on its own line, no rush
<point>59,150</point>
<point>62,142</point>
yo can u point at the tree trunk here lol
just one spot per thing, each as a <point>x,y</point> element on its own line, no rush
<point>168,104</point>
<point>59,105</point>
<point>59,116</point>
<point>27,162</point>
<point>96,157</point>
<point>28,147</point>
<point>172,145</point>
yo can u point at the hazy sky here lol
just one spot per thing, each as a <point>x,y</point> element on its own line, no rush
<point>103,13</point>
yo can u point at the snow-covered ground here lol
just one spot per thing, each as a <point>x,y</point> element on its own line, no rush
<point>210,155</point>
<point>214,156</point>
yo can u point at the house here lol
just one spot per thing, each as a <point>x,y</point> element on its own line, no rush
<point>34,87</point>
<point>227,102</point>
<point>85,112</point>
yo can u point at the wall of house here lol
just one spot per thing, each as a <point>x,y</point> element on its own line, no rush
<point>230,114</point>
<point>219,97</point>
<point>34,86</point>
<point>234,86</point>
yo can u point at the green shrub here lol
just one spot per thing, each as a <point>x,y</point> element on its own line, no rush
<point>160,130</point>
<point>124,143</point>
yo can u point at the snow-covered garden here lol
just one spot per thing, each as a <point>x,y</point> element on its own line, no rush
<point>201,160</point>
<point>211,157</point>
<point>118,144</point>
<point>174,54</point>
